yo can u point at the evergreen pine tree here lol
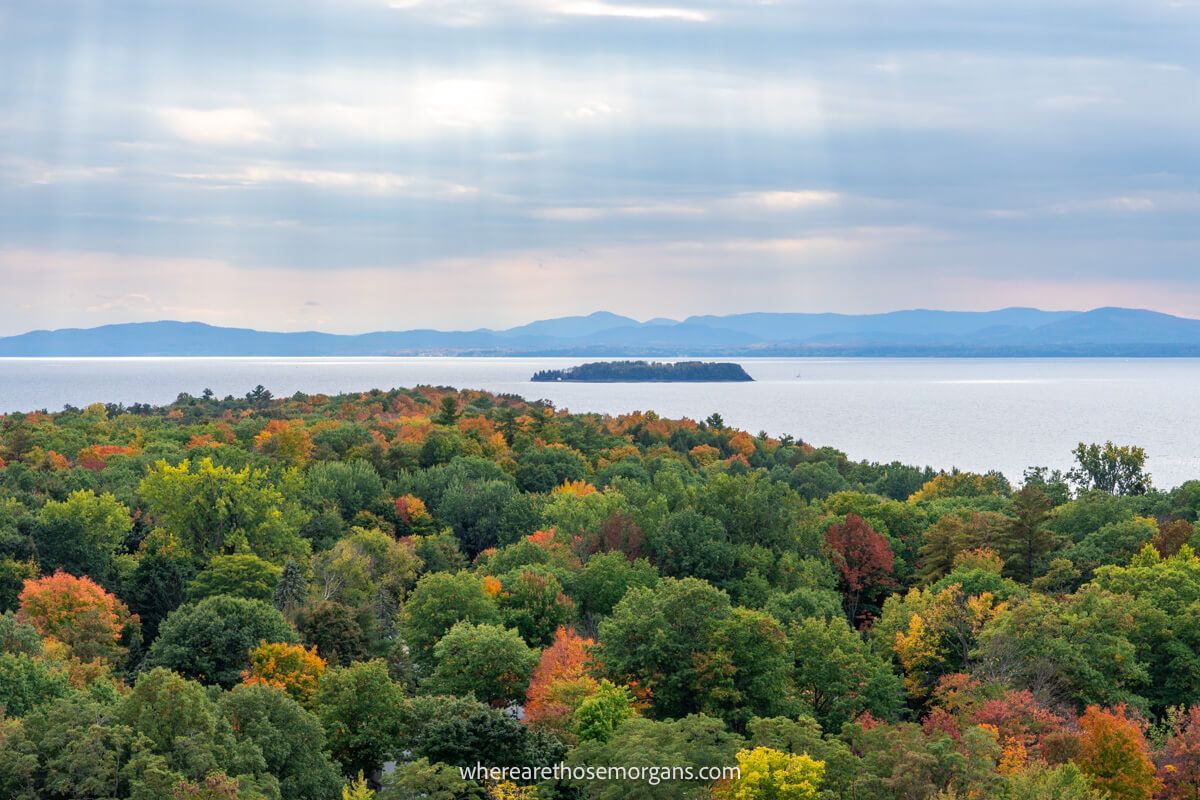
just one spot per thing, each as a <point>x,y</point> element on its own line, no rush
<point>1026,540</point>
<point>291,589</point>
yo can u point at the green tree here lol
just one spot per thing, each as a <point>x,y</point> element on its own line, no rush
<point>816,481</point>
<point>82,534</point>
<point>440,447</point>
<point>17,636</point>
<point>421,780</point>
<point>178,722</point>
<point>260,396</point>
<point>541,469</point>
<point>333,628</point>
<point>605,579</point>
<point>940,544</point>
<point>603,711</point>
<point>690,544</point>
<point>345,488</point>
<point>489,661</point>
<point>696,741</point>
<point>752,509</point>
<point>157,584</point>
<point>362,712</point>
<point>533,602</point>
<point>1026,540</point>
<point>1078,646</point>
<point>448,412</point>
<point>240,575</point>
<point>439,552</point>
<point>804,602</point>
<point>27,683</point>
<point>901,761</point>
<point>290,738</point>
<point>694,652</point>
<point>838,676</point>
<point>213,510</point>
<point>1114,543</point>
<point>1163,595</point>
<point>477,513</point>
<point>1042,782</point>
<point>73,748</point>
<point>210,640</point>
<point>438,601</point>
<point>473,733</point>
<point>367,569</point>
<point>291,589</point>
<point>13,574</point>
<point>1110,468</point>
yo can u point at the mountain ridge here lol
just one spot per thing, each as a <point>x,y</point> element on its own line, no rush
<point>1015,331</point>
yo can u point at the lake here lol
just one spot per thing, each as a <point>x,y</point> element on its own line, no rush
<point>974,414</point>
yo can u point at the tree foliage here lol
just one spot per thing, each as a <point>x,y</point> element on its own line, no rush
<point>210,641</point>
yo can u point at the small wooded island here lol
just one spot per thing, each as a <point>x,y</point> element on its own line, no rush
<point>646,372</point>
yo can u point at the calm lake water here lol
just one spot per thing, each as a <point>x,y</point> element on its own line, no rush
<point>974,414</point>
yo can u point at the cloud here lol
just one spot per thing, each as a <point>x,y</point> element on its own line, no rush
<point>335,180</point>
<point>216,125</point>
<point>788,200</point>
<point>765,202</point>
<point>482,12</point>
<point>504,289</point>
<point>1133,203</point>
<point>42,173</point>
<point>592,8</point>
<point>374,149</point>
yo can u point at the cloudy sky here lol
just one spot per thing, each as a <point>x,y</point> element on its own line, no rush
<point>354,165</point>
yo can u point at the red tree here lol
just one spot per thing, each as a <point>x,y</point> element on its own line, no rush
<point>863,558</point>
<point>618,531</point>
<point>1179,763</point>
<point>1018,717</point>
<point>1172,535</point>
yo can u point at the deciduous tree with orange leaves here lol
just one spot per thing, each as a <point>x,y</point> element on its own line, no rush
<point>286,440</point>
<point>560,681</point>
<point>1114,754</point>
<point>79,613</point>
<point>413,517</point>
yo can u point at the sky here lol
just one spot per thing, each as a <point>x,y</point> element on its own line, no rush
<point>355,165</point>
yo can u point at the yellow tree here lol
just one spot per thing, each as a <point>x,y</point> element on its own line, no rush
<point>940,635</point>
<point>767,774</point>
<point>289,667</point>
<point>358,790</point>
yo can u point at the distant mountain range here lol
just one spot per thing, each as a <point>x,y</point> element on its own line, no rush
<point>1007,332</point>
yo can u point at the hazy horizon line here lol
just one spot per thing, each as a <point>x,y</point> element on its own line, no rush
<point>598,312</point>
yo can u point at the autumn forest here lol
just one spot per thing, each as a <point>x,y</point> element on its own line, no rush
<point>355,596</point>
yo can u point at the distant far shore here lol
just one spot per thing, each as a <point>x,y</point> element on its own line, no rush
<point>1006,333</point>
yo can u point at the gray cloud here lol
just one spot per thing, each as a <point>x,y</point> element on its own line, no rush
<point>633,155</point>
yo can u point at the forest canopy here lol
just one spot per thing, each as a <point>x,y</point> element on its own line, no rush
<point>353,596</point>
